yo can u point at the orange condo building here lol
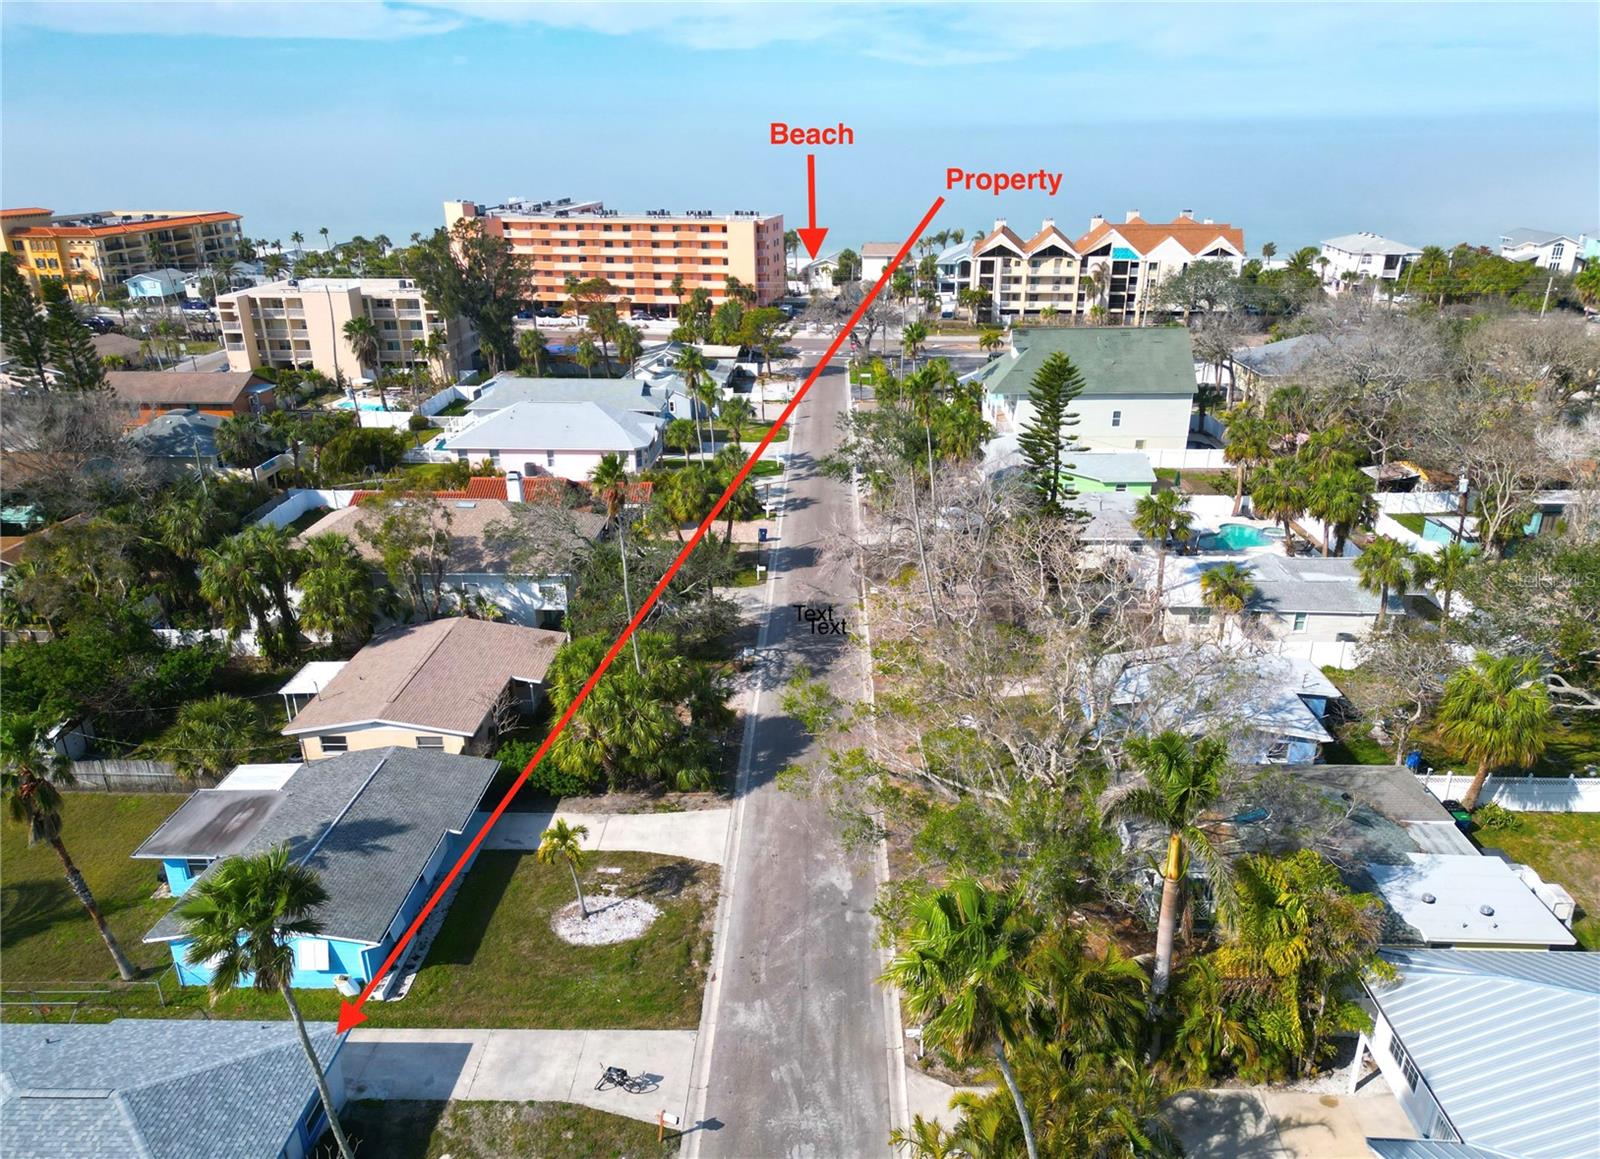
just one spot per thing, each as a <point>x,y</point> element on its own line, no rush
<point>639,253</point>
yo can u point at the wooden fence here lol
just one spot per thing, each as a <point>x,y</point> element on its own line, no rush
<point>128,776</point>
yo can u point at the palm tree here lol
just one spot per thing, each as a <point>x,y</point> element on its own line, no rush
<point>1495,712</point>
<point>912,339</point>
<point>561,842</point>
<point>246,579</point>
<point>681,435</point>
<point>691,366</point>
<point>1227,590</point>
<point>961,969</point>
<point>926,1139</point>
<point>679,290</point>
<point>610,479</point>
<point>1385,566</point>
<point>532,347</point>
<point>1268,251</point>
<point>1163,517</point>
<point>587,355</point>
<point>326,244</point>
<point>336,594</point>
<point>1448,567</point>
<point>630,344</point>
<point>241,920</point>
<point>1183,779</point>
<point>297,238</point>
<point>211,736</point>
<point>1278,493</point>
<point>1340,498</point>
<point>1247,445</point>
<point>30,777</point>
<point>362,335</point>
<point>736,414</point>
<point>991,340</point>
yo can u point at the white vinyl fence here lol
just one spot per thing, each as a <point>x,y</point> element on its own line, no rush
<point>1525,794</point>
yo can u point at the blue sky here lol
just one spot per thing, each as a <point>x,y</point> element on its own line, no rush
<point>1431,123</point>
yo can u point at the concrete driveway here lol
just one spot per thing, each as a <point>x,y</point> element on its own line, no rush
<point>1277,1124</point>
<point>700,834</point>
<point>521,1065</point>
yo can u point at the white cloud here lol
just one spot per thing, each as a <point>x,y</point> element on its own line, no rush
<point>275,19</point>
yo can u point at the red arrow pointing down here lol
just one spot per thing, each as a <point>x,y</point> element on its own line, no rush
<point>350,1013</point>
<point>812,237</point>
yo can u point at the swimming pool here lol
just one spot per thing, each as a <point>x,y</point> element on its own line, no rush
<point>344,404</point>
<point>1237,537</point>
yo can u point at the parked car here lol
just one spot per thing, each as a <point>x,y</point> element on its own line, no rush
<point>547,312</point>
<point>99,325</point>
<point>524,315</point>
<point>195,304</point>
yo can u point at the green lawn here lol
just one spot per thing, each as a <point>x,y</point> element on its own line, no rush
<point>766,469</point>
<point>1573,747</point>
<point>1564,848</point>
<point>495,962</point>
<point>1411,522</point>
<point>404,1129</point>
<point>45,935</point>
<point>1197,482</point>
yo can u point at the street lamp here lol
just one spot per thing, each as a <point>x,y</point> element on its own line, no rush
<point>1462,486</point>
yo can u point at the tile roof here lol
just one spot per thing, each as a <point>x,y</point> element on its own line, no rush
<point>442,676</point>
<point>559,426</point>
<point>124,227</point>
<point>181,387</point>
<point>471,548</point>
<point>1114,360</point>
<point>367,822</point>
<point>1196,237</point>
<point>32,212</point>
<point>1506,1042</point>
<point>992,239</point>
<point>155,1088</point>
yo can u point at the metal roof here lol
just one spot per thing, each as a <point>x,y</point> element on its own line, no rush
<point>1325,586</point>
<point>211,823</point>
<point>1370,243</point>
<point>1431,1149</point>
<point>559,426</point>
<point>1443,898</point>
<point>1114,361</point>
<point>504,389</point>
<point>155,1088</point>
<point>1111,467</point>
<point>1507,1043</point>
<point>367,822</point>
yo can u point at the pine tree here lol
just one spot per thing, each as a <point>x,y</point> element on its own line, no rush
<point>1046,441</point>
<point>27,334</point>
<point>71,345</point>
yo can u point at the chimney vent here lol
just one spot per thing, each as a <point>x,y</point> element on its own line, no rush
<point>999,224</point>
<point>1133,215</point>
<point>1208,221</point>
<point>1096,222</point>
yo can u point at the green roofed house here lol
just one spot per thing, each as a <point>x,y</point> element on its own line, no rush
<point>1088,472</point>
<point>1138,384</point>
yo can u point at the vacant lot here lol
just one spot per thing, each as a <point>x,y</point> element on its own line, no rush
<point>1564,848</point>
<point>45,935</point>
<point>432,1130</point>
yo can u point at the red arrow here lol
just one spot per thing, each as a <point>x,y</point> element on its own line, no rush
<point>350,1013</point>
<point>812,237</point>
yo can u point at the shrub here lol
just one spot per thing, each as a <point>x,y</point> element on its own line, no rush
<point>1495,818</point>
<point>419,422</point>
<point>547,778</point>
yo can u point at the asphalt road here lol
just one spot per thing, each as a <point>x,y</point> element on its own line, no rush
<point>797,1032</point>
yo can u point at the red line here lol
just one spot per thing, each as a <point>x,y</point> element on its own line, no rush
<point>644,608</point>
<point>811,190</point>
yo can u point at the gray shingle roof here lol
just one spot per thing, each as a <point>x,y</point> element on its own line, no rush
<point>1506,1042</point>
<point>1525,236</point>
<point>1286,356</point>
<point>559,426</point>
<point>1114,361</point>
<point>505,389</point>
<point>367,822</point>
<point>177,435</point>
<point>156,1088</point>
<point>1111,467</point>
<point>1283,584</point>
<point>181,387</point>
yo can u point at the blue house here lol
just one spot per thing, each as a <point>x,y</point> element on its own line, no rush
<point>379,826</point>
<point>155,285</point>
<point>166,1089</point>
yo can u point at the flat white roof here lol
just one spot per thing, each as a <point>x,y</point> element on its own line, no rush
<point>1443,897</point>
<point>258,778</point>
<point>313,678</point>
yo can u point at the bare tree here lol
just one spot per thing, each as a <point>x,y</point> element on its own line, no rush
<point>1558,357</point>
<point>1400,680</point>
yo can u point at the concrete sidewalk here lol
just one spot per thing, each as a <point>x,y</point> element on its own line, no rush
<point>521,1065</point>
<point>698,834</point>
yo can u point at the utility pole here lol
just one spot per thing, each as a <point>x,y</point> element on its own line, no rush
<point>1544,305</point>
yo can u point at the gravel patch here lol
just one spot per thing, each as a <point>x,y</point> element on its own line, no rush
<point>610,920</point>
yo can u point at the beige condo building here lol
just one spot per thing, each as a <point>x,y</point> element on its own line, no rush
<point>300,322</point>
<point>639,253</point>
<point>95,252</point>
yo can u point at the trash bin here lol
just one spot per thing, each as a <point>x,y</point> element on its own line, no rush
<point>761,535</point>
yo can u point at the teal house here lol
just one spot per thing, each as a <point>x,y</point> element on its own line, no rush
<point>1088,472</point>
<point>381,827</point>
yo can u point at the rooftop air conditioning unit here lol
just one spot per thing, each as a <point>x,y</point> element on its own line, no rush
<point>1557,900</point>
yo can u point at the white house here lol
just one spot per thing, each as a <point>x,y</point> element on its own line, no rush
<point>1298,599</point>
<point>647,397</point>
<point>1353,256</point>
<point>1559,252</point>
<point>875,258</point>
<point>1468,901</point>
<point>1269,707</point>
<point>1489,1052</point>
<point>565,439</point>
<point>955,274</point>
<point>1138,385</point>
<point>818,275</point>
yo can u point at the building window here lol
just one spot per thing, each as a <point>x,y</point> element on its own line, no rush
<point>1403,1061</point>
<point>195,866</point>
<point>430,742</point>
<point>1200,616</point>
<point>1138,444</point>
<point>311,954</point>
<point>1116,418</point>
<point>1300,621</point>
<point>549,458</point>
<point>1122,486</point>
<point>335,744</point>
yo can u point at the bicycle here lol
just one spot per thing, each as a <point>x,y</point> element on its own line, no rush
<point>615,1076</point>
